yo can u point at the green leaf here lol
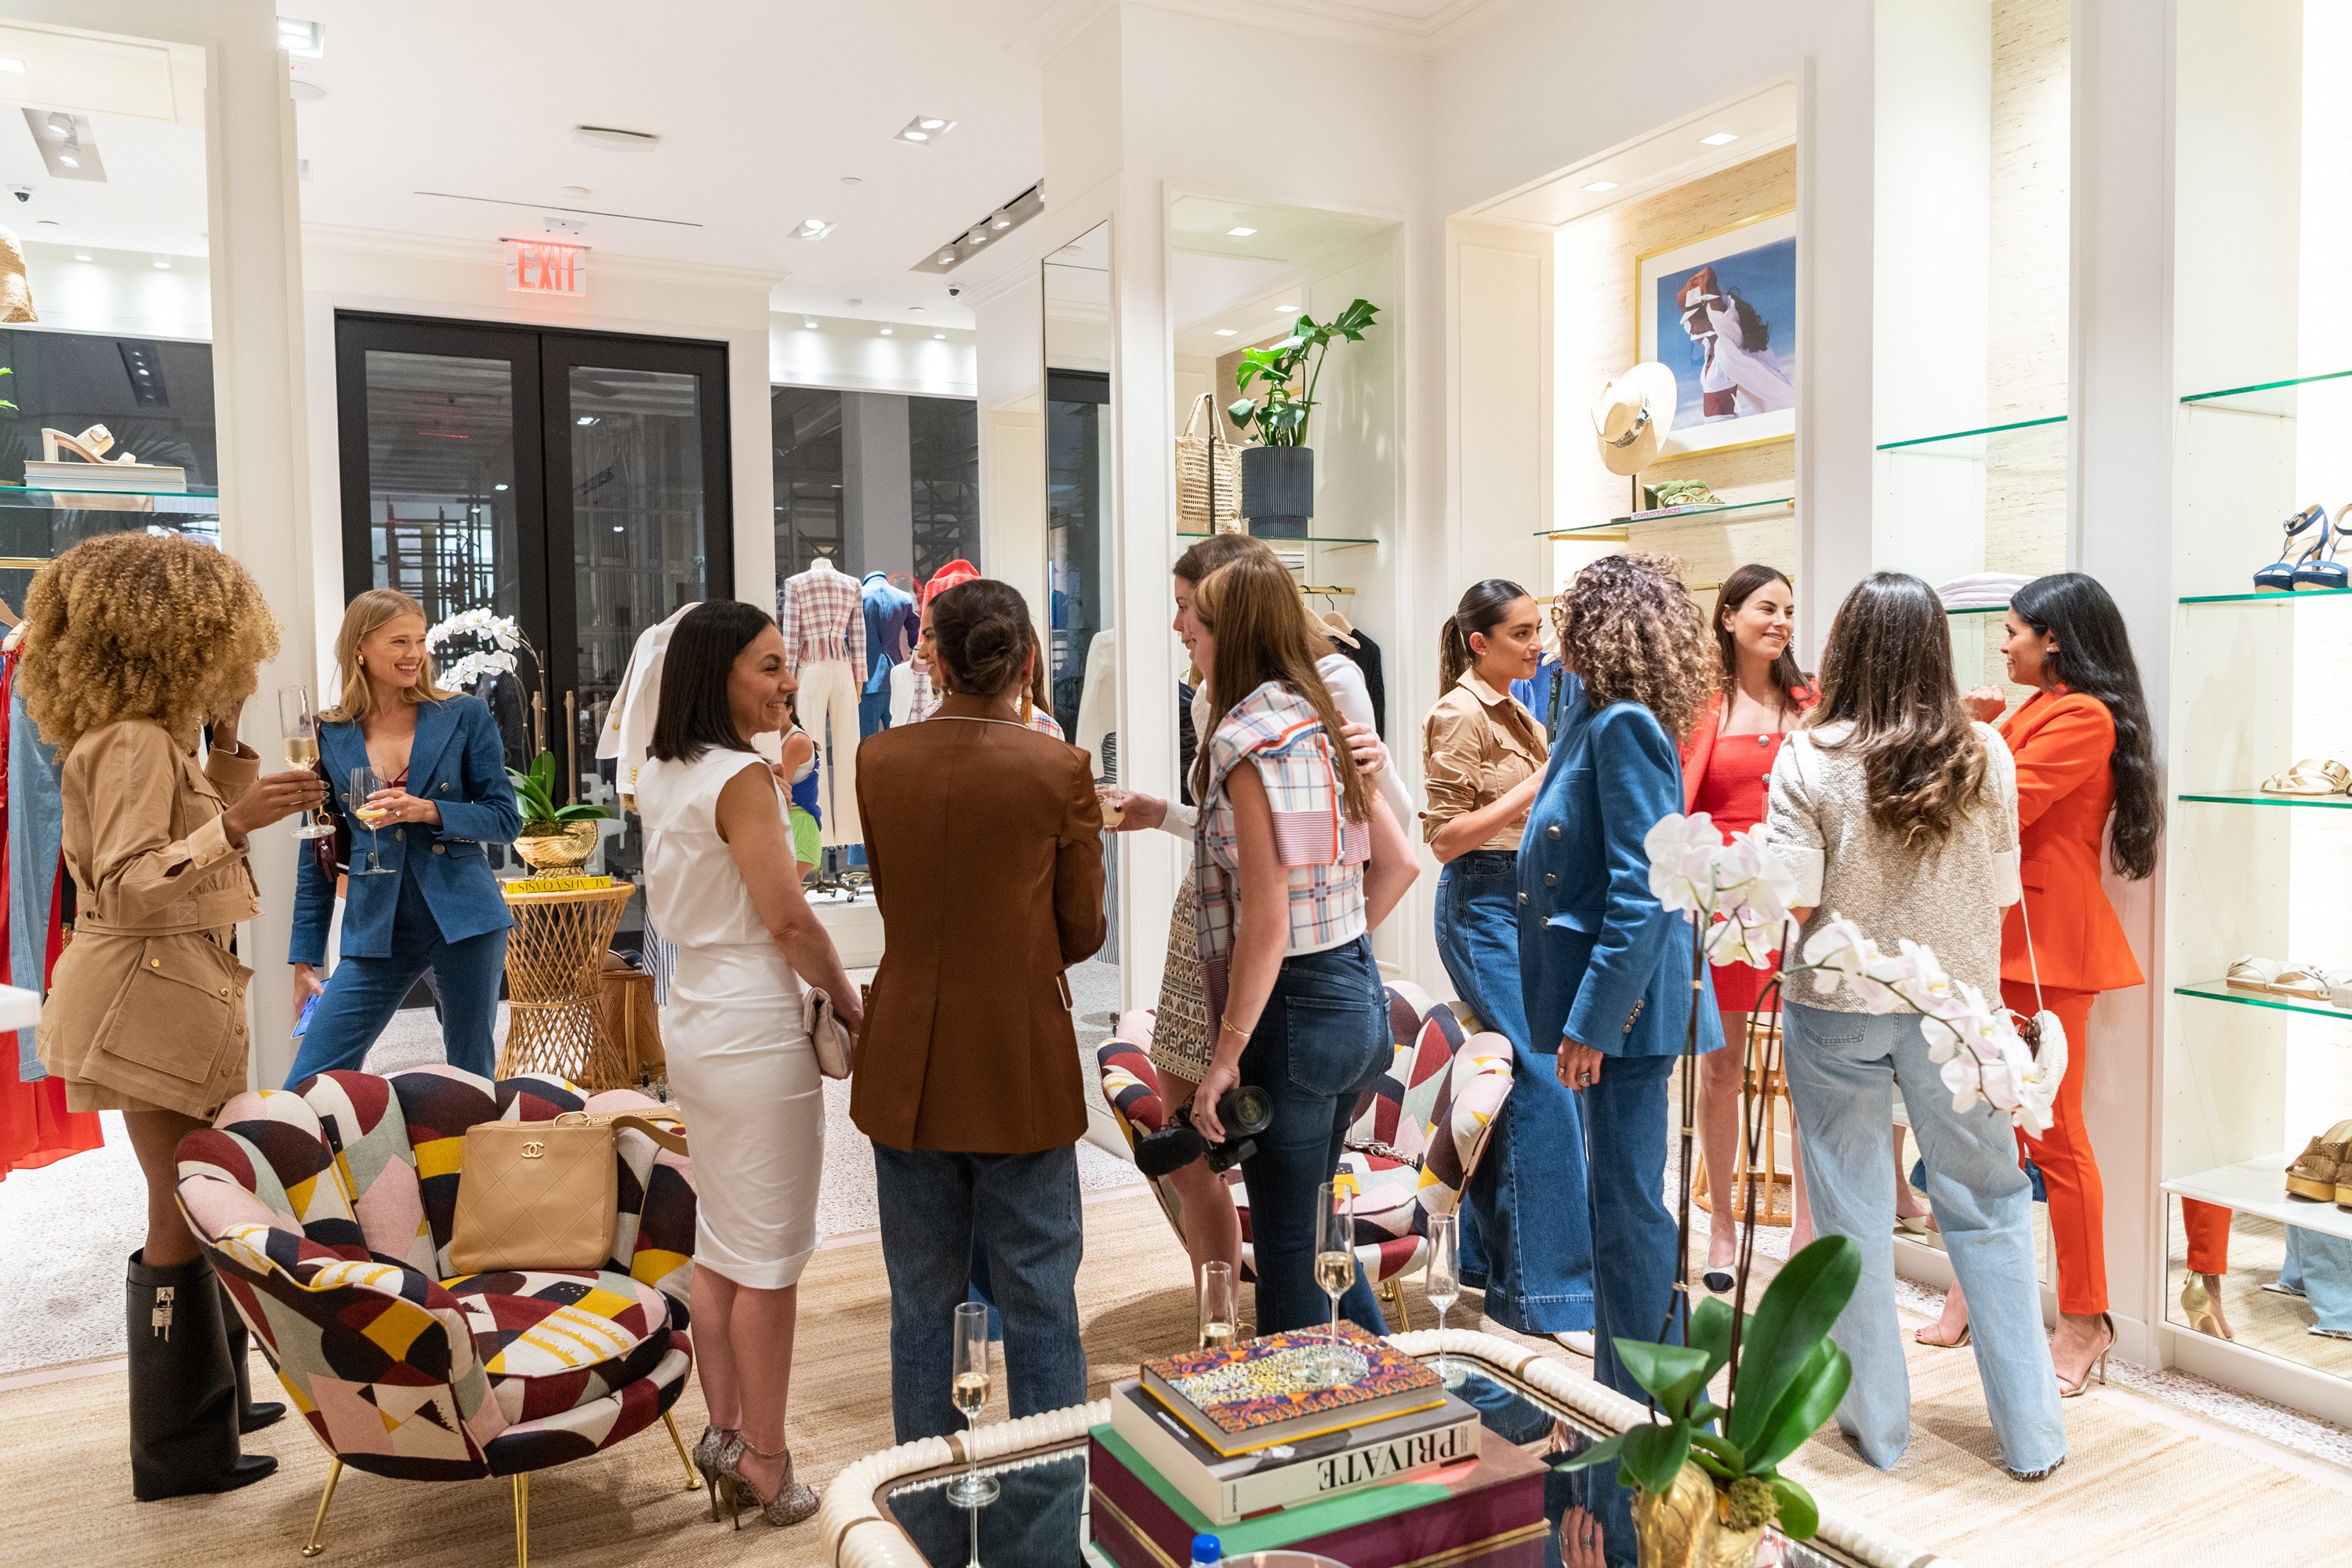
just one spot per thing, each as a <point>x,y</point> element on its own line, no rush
<point>1811,1399</point>
<point>1722,1448</point>
<point>1600,1452</point>
<point>1662,1370</point>
<point>1653,1454</point>
<point>1710,1464</point>
<point>1241,411</point>
<point>1800,1518</point>
<point>1710,1330</point>
<point>1705,1412</point>
<point>1798,1309</point>
<point>582,812</point>
<point>542,772</point>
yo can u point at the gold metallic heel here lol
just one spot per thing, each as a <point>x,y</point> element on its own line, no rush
<point>2097,1369</point>
<point>2199,1305</point>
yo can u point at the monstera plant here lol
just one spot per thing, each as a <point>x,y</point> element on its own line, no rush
<point>1278,474</point>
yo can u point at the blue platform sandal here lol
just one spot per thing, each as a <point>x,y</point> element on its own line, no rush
<point>2319,571</point>
<point>2281,575</point>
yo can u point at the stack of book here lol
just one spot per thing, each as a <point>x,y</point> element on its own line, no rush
<point>1243,1443</point>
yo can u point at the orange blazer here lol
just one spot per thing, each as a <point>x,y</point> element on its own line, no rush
<point>1701,745</point>
<point>2064,742</point>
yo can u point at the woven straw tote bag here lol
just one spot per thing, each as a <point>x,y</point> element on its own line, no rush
<point>16,289</point>
<point>1208,476</point>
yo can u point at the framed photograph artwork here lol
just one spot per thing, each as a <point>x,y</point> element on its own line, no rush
<point>1720,311</point>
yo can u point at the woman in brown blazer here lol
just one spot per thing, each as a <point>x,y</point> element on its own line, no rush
<point>133,642</point>
<point>985,842</point>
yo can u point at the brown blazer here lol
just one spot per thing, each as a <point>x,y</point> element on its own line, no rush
<point>147,1000</point>
<point>984,839</point>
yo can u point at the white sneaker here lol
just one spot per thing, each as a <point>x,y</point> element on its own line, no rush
<point>1577,1340</point>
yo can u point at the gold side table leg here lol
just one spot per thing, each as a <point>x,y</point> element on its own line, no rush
<point>523,1520</point>
<point>693,1481</point>
<point>316,1544</point>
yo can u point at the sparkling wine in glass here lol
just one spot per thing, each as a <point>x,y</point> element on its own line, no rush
<point>968,1387</point>
<point>1443,1286</point>
<point>1219,1321</point>
<point>1334,1266</point>
<point>365,782</point>
<point>298,729</point>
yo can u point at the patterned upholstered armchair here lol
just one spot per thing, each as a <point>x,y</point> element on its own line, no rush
<point>1415,1140</point>
<point>327,1211</point>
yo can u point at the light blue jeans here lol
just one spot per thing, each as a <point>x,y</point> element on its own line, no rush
<point>1843,1069</point>
<point>2318,1268</point>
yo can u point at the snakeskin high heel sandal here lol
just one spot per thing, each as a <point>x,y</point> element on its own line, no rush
<point>711,1452</point>
<point>792,1502</point>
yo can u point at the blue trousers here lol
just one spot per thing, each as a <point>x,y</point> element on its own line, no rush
<point>1625,1117</point>
<point>1022,1211</point>
<point>2318,1268</point>
<point>1321,1041</point>
<point>363,992</point>
<point>1527,1235</point>
<point>874,711</point>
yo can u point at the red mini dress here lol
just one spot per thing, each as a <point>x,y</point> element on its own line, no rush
<point>1732,792</point>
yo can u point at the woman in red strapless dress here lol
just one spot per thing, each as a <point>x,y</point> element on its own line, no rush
<point>1727,765</point>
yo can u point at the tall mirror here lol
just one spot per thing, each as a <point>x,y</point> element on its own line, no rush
<point>1081,654</point>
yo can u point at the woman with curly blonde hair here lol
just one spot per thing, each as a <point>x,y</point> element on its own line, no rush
<point>133,644</point>
<point>1604,966</point>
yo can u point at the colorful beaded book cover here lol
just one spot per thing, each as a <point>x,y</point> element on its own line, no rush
<point>1246,1388</point>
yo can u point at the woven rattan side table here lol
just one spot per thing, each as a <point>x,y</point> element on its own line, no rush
<point>554,954</point>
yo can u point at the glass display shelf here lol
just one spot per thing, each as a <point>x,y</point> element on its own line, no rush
<point>2266,598</point>
<point>2258,1186</point>
<point>2276,398</point>
<point>1680,514</point>
<point>199,502</point>
<point>2264,797</point>
<point>1980,610</point>
<point>2218,991</point>
<point>1964,435</point>
<point>1281,544</point>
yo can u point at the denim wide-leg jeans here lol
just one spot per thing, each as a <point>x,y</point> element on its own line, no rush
<point>1843,1069</point>
<point>1526,1234</point>
<point>363,994</point>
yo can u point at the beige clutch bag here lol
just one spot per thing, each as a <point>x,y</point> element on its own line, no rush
<point>836,1053</point>
<point>541,1195</point>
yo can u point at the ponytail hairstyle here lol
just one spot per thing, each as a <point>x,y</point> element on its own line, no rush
<point>2093,655</point>
<point>1887,672</point>
<point>983,636</point>
<point>1483,608</point>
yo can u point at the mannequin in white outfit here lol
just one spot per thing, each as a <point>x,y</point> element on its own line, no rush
<point>722,884</point>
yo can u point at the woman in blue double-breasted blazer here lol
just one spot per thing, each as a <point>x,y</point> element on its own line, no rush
<point>1606,971</point>
<point>435,905</point>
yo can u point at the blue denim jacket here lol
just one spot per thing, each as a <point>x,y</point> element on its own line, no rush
<point>458,763</point>
<point>1601,961</point>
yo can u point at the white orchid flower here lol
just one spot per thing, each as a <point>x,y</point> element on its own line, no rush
<point>1774,886</point>
<point>1683,851</point>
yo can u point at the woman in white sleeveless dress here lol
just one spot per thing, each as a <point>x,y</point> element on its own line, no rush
<point>723,885</point>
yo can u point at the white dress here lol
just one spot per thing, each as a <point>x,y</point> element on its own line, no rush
<point>740,1065</point>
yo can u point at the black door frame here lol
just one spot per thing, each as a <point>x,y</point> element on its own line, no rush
<point>541,359</point>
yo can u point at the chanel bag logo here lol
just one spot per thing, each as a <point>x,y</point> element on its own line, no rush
<point>532,1150</point>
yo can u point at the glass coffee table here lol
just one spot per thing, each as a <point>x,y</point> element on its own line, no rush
<point>890,1509</point>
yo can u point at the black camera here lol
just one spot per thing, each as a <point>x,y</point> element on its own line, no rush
<point>1244,1110</point>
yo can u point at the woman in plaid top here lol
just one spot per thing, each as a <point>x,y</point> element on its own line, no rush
<point>1294,859</point>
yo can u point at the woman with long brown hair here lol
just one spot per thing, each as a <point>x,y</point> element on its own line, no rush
<point>1899,814</point>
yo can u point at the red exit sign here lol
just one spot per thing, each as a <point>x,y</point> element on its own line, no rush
<point>539,266</point>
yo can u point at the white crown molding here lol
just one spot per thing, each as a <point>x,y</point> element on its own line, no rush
<point>1333,21</point>
<point>444,247</point>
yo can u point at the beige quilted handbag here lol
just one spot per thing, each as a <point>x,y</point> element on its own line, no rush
<point>541,1195</point>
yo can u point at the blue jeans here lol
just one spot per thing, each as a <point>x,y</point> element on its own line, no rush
<point>1843,1069</point>
<point>363,992</point>
<point>2318,1268</point>
<point>1023,1211</point>
<point>1527,1236</point>
<point>1321,1041</point>
<point>1625,1116</point>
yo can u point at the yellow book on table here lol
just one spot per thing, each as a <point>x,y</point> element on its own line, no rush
<point>558,884</point>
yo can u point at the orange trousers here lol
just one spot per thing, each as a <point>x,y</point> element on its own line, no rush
<point>2208,1229</point>
<point>2070,1172</point>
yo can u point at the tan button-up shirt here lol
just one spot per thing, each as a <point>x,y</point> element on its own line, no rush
<point>148,1000</point>
<point>1477,745</point>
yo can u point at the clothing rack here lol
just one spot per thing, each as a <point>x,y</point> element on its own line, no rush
<point>1310,589</point>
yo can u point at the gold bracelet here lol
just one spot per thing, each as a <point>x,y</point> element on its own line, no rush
<point>1224,1024</point>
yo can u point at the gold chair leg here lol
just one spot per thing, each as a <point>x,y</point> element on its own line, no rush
<point>523,1520</point>
<point>316,1544</point>
<point>693,1481</point>
<point>1392,1293</point>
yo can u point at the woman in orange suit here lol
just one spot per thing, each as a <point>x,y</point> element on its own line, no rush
<point>2086,781</point>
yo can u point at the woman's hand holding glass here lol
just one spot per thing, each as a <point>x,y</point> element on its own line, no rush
<point>1125,811</point>
<point>272,798</point>
<point>390,807</point>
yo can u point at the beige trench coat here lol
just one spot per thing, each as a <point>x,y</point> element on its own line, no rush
<point>147,1004</point>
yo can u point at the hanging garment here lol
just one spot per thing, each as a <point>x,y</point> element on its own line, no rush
<point>1366,655</point>
<point>821,612</point>
<point>628,729</point>
<point>37,829</point>
<point>828,710</point>
<point>893,625</point>
<point>1099,700</point>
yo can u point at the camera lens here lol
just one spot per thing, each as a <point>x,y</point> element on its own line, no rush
<point>1245,1111</point>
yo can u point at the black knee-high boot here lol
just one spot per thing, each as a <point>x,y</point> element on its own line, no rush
<point>251,1417</point>
<point>183,1392</point>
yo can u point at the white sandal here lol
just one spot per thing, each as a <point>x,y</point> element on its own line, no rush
<point>2313,775</point>
<point>2304,983</point>
<point>2252,973</point>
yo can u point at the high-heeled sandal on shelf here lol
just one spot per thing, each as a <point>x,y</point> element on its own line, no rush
<point>2278,577</point>
<point>792,1502</point>
<point>2098,1367</point>
<point>712,1451</point>
<point>2317,1171</point>
<point>2319,571</point>
<point>2198,1304</point>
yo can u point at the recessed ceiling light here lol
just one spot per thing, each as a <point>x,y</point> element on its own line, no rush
<point>885,331</point>
<point>82,253</point>
<point>850,180</point>
<point>808,323</point>
<point>573,191</point>
<point>618,528</point>
<point>163,264</point>
<point>303,41</point>
<point>305,91</point>
<point>498,487</point>
<point>1241,232</point>
<point>924,127</point>
<point>70,155</point>
<point>933,124</point>
<point>1287,309</point>
<point>941,336</point>
<point>1597,186</point>
<point>947,258</point>
<point>1720,138</point>
<point>14,68</point>
<point>585,419</point>
<point>1002,223</point>
<point>1226,332</point>
<point>813,228</point>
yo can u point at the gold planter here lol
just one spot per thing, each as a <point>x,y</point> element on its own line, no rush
<point>566,849</point>
<point>1685,1528</point>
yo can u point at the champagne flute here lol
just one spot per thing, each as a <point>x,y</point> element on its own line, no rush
<point>968,1386</point>
<point>364,782</point>
<point>298,729</point>
<point>1442,1285</point>
<point>1335,1264</point>
<point>1219,1321</point>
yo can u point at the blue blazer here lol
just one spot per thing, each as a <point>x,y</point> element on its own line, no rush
<point>1600,960</point>
<point>458,763</point>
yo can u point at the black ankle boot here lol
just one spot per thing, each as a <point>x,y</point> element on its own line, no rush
<point>250,1417</point>
<point>184,1394</point>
